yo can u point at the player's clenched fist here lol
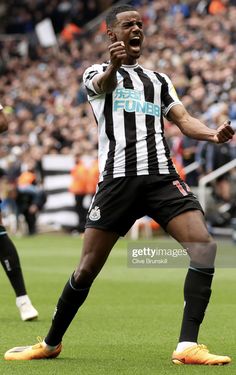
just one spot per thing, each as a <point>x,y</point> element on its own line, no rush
<point>224,133</point>
<point>117,53</point>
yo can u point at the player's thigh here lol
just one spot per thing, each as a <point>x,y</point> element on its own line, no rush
<point>189,226</point>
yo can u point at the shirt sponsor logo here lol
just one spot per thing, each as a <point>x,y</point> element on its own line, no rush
<point>133,101</point>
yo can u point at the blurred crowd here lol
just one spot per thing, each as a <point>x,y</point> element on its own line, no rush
<point>193,42</point>
<point>23,15</point>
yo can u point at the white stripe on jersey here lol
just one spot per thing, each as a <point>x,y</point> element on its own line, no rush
<point>162,159</point>
<point>130,124</point>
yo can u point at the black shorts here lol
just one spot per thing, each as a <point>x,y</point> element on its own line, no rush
<point>119,202</point>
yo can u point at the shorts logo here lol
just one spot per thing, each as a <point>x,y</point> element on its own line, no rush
<point>95,214</point>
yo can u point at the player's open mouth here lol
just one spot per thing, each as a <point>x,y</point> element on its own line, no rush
<point>135,43</point>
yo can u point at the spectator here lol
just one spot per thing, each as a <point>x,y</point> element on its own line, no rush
<point>83,186</point>
<point>30,199</point>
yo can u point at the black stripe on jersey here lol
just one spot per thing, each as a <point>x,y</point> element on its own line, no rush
<point>150,121</point>
<point>110,134</point>
<point>130,130</point>
<point>166,99</point>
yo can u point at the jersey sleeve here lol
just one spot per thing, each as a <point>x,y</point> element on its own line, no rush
<point>169,96</point>
<point>1,107</point>
<point>88,76</point>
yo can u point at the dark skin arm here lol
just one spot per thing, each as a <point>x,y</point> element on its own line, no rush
<point>193,128</point>
<point>3,122</point>
<point>107,82</point>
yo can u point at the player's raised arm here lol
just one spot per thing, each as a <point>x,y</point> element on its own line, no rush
<point>193,128</point>
<point>107,81</point>
<point>3,121</point>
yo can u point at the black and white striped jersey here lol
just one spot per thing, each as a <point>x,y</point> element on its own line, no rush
<point>130,121</point>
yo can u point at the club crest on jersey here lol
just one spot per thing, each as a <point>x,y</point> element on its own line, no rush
<point>95,214</point>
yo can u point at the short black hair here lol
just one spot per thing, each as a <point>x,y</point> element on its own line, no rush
<point>111,15</point>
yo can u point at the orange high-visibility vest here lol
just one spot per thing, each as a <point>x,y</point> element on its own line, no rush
<point>84,178</point>
<point>78,184</point>
<point>26,178</point>
<point>70,31</point>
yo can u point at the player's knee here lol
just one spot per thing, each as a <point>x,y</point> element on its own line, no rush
<point>203,253</point>
<point>84,277</point>
<point>208,248</point>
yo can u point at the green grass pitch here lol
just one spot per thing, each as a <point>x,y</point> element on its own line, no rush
<point>128,325</point>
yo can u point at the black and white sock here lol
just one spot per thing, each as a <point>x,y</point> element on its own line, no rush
<point>68,304</point>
